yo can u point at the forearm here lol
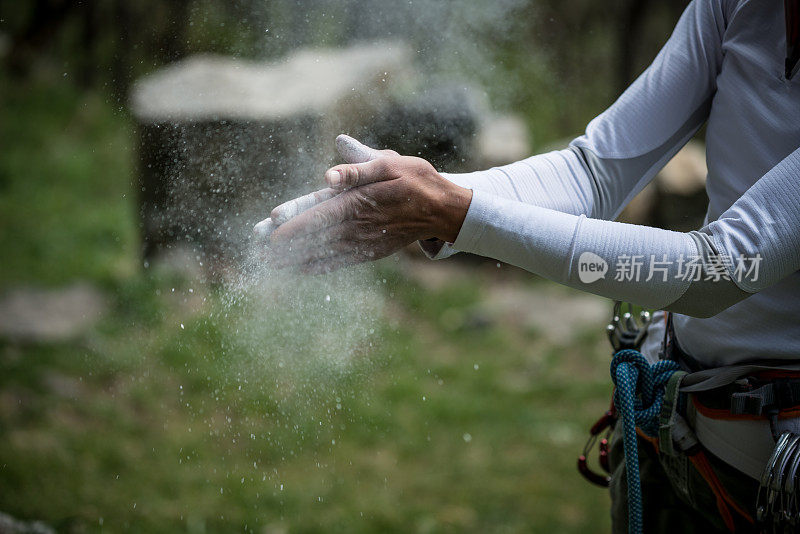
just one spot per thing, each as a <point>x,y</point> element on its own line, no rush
<point>648,266</point>
<point>752,245</point>
<point>550,243</point>
<point>558,180</point>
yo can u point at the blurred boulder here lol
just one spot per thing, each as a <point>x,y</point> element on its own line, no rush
<point>222,140</point>
<point>685,173</point>
<point>312,82</point>
<point>677,198</point>
<point>10,525</point>
<point>50,315</point>
<point>682,199</point>
<point>642,207</point>
<point>438,124</point>
<point>501,139</point>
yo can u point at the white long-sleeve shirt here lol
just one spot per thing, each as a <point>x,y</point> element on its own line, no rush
<point>722,66</point>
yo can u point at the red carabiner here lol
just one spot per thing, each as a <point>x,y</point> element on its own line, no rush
<point>604,455</point>
<point>605,421</point>
<point>602,424</point>
<point>595,478</point>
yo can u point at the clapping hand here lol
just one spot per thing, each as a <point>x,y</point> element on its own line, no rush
<point>376,203</point>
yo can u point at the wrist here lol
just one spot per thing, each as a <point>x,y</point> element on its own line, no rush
<point>452,206</point>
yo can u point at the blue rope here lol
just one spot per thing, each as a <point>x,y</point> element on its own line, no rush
<point>638,396</point>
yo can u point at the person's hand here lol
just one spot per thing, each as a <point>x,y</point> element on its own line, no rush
<point>386,203</point>
<point>351,151</point>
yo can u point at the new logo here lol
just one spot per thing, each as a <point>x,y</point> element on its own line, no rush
<point>591,267</point>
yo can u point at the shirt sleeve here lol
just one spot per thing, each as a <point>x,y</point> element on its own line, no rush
<point>650,266</point>
<point>625,146</point>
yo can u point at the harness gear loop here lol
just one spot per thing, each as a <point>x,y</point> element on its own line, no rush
<point>671,426</point>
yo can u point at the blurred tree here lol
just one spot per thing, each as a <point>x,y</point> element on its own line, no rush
<point>535,56</point>
<point>634,44</point>
<point>96,39</point>
<point>43,23</point>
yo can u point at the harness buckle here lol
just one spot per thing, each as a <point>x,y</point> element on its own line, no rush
<point>748,403</point>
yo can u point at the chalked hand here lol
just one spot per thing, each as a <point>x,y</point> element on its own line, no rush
<point>386,203</point>
<point>351,151</point>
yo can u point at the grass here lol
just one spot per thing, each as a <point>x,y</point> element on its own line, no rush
<point>65,186</point>
<point>145,426</point>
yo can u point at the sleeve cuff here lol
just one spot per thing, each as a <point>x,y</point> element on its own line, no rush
<point>474,225</point>
<point>437,250</point>
<point>471,231</point>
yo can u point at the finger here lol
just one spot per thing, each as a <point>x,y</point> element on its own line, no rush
<point>329,213</point>
<point>354,175</point>
<point>296,206</point>
<point>353,151</point>
<point>263,229</point>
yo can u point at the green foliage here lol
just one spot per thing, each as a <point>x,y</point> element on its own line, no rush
<point>66,206</point>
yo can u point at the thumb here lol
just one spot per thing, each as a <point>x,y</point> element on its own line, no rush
<point>353,175</point>
<point>352,151</point>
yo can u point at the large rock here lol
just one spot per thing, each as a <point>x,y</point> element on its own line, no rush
<point>677,198</point>
<point>10,525</point>
<point>501,139</point>
<point>223,140</point>
<point>311,82</point>
<point>50,315</point>
<point>681,185</point>
<point>438,124</point>
<point>685,174</point>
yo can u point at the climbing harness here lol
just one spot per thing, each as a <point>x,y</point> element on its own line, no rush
<point>652,401</point>
<point>648,400</point>
<point>770,395</point>
<point>767,390</point>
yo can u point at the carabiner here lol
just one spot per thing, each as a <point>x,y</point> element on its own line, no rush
<point>595,478</point>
